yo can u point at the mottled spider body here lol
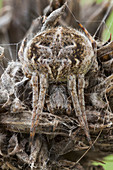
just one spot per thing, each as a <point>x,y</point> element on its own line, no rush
<point>58,55</point>
<point>59,52</point>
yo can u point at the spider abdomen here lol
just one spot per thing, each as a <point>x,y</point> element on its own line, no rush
<point>60,51</point>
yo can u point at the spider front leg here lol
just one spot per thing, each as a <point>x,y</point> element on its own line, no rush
<point>78,102</point>
<point>38,102</point>
<point>34,82</point>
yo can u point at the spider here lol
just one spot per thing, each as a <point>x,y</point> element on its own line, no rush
<point>58,55</point>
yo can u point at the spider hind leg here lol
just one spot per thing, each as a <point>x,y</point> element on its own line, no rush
<point>79,103</point>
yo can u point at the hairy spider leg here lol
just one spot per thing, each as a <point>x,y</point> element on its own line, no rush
<point>78,103</point>
<point>38,111</point>
<point>85,31</point>
<point>81,85</point>
<point>34,81</point>
<point>94,45</point>
<point>22,60</point>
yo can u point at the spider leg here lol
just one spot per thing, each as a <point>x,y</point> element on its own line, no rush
<point>23,60</point>
<point>79,110</point>
<point>21,51</point>
<point>34,81</point>
<point>81,85</point>
<point>38,103</point>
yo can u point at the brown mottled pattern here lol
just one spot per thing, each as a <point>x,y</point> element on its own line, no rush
<point>58,55</point>
<point>57,44</point>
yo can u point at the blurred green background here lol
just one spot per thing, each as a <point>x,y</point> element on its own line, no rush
<point>108,163</point>
<point>108,24</point>
<point>1,3</point>
<point>106,34</point>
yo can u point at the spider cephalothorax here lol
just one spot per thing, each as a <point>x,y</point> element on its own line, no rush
<point>58,101</point>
